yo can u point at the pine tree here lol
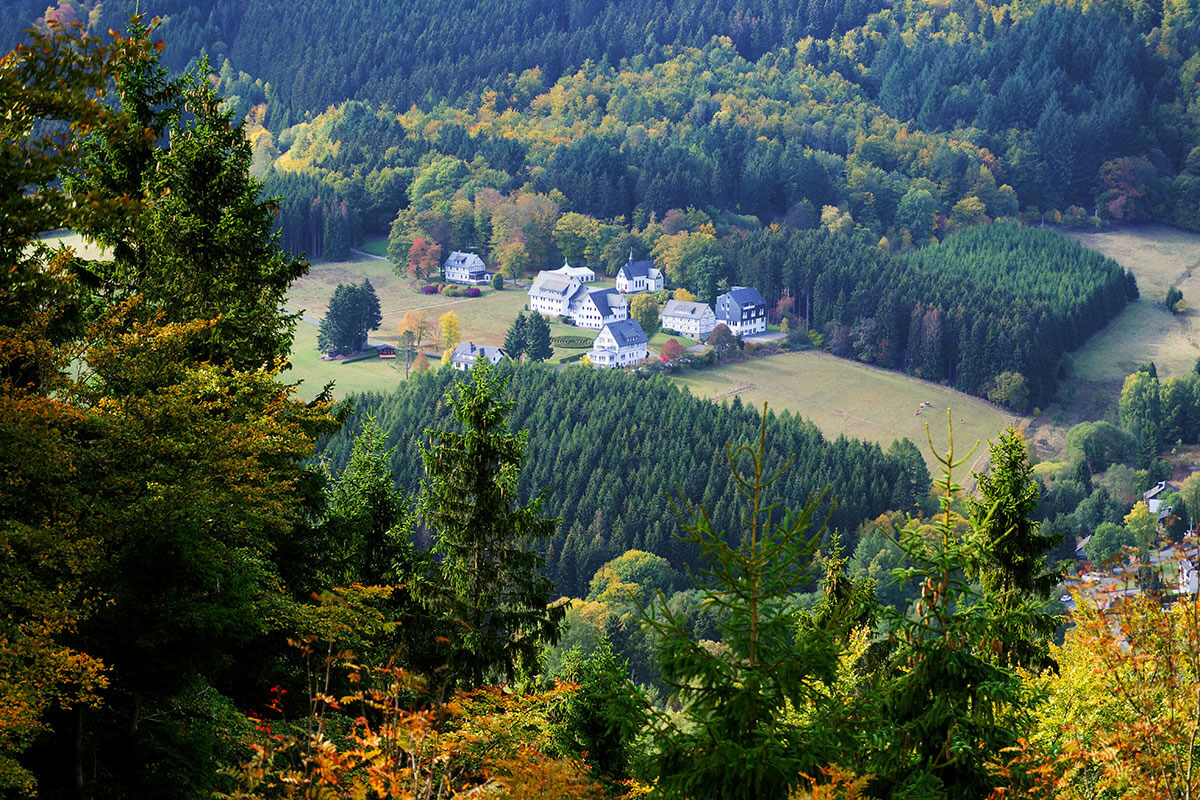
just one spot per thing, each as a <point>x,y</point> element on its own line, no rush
<point>353,313</point>
<point>370,514</point>
<point>538,337</point>
<point>482,534</point>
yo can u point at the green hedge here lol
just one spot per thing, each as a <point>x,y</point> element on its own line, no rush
<point>571,342</point>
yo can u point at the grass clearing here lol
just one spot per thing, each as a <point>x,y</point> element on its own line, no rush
<point>1160,257</point>
<point>845,397</point>
<point>378,374</point>
<point>1146,330</point>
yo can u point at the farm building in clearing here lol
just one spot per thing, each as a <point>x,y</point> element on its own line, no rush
<point>743,310</point>
<point>581,274</point>
<point>466,268</point>
<point>639,276</point>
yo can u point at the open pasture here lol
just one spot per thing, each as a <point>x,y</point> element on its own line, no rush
<point>845,397</point>
<point>1160,257</point>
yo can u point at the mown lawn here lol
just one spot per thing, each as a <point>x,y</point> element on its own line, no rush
<point>845,397</point>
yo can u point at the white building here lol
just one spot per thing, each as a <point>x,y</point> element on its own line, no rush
<point>742,310</point>
<point>465,354</point>
<point>466,268</point>
<point>597,308</point>
<point>639,276</point>
<point>581,274</point>
<point>693,320</point>
<point>620,344</point>
<point>552,293</point>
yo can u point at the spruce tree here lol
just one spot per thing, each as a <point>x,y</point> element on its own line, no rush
<point>483,535</point>
<point>752,719</point>
<point>1016,573</point>
<point>538,346</point>
<point>516,340</point>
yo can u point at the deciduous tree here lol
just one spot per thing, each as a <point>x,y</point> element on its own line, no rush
<point>644,308</point>
<point>417,322</point>
<point>451,332</point>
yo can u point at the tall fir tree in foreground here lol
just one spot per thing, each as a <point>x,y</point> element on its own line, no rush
<point>1017,574</point>
<point>739,735</point>
<point>484,536</point>
<point>948,701</point>
<point>153,486</point>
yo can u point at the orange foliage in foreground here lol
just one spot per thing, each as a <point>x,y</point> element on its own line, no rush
<point>480,742</point>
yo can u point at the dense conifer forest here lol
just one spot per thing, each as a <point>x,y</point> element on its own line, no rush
<point>609,448</point>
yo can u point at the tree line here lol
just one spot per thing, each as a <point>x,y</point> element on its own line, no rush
<point>608,447</point>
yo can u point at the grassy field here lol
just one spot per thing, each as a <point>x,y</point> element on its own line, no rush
<point>844,397</point>
<point>376,374</point>
<point>1159,257</point>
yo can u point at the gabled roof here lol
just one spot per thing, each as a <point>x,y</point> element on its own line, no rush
<point>555,284</point>
<point>627,332</point>
<point>469,351</point>
<point>637,269</point>
<point>605,299</point>
<point>575,272</point>
<point>745,296</point>
<point>468,260</point>
<point>685,308</point>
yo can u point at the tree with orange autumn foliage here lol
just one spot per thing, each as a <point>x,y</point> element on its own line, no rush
<point>1122,716</point>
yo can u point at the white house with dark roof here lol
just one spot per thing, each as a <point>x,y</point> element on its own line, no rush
<point>597,308</point>
<point>466,268</point>
<point>553,292</point>
<point>466,353</point>
<point>693,320</point>
<point>620,344</point>
<point>639,276</point>
<point>742,310</point>
<point>581,274</point>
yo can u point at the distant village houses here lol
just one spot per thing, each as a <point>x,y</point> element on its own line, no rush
<point>556,294</point>
<point>620,344</point>
<point>466,268</point>
<point>467,353</point>
<point>599,307</point>
<point>742,310</point>
<point>551,293</point>
<point>639,276</point>
<point>693,320</point>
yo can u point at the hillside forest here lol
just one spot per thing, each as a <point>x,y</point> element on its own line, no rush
<point>527,582</point>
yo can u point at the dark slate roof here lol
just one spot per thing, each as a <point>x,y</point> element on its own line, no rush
<point>604,298</point>
<point>627,332</point>
<point>637,269</point>
<point>746,296</point>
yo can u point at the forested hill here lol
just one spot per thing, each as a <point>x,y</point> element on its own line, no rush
<point>763,108</point>
<point>609,447</point>
<point>425,51</point>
